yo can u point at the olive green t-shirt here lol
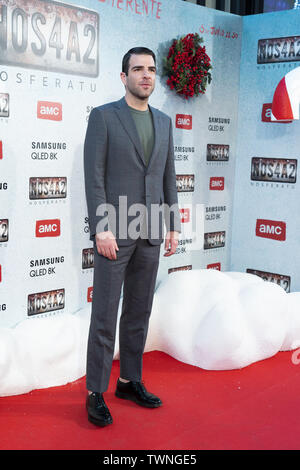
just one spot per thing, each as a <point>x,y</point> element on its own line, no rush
<point>144,125</point>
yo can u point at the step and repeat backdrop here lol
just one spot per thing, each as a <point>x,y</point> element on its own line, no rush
<point>58,60</point>
<point>266,222</point>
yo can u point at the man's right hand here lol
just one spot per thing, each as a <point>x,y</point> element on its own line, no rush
<point>106,244</point>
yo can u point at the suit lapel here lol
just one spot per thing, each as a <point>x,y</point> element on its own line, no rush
<point>127,122</point>
<point>157,134</point>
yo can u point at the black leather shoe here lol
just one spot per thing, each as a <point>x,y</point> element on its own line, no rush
<point>98,413</point>
<point>136,391</point>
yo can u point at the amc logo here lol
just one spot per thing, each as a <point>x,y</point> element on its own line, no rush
<point>90,294</point>
<point>49,110</point>
<point>267,112</point>
<point>183,121</point>
<point>216,266</point>
<point>185,215</point>
<point>47,228</point>
<point>216,183</point>
<point>271,229</point>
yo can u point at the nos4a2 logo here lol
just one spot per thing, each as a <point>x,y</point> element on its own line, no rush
<point>4,105</point>
<point>47,35</point>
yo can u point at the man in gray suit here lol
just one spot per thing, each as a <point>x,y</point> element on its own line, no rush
<point>129,169</point>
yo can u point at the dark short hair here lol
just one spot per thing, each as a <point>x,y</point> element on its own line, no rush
<point>135,50</point>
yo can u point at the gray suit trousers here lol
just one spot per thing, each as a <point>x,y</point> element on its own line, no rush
<point>136,265</point>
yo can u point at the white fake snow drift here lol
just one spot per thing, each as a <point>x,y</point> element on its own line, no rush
<point>207,318</point>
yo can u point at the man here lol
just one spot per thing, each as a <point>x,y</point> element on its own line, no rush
<point>128,155</point>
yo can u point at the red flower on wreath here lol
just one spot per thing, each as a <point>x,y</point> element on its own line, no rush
<point>188,66</point>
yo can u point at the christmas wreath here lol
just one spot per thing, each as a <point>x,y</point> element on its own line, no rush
<point>188,66</point>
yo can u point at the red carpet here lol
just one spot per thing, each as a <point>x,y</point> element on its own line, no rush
<point>257,407</point>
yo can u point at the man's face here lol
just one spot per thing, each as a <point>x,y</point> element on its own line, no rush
<point>140,80</point>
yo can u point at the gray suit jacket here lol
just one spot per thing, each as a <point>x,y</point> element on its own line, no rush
<point>114,166</point>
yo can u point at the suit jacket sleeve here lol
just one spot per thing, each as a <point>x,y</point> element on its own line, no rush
<point>95,149</point>
<point>173,222</point>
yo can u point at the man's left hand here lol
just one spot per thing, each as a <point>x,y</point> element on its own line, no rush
<point>171,243</point>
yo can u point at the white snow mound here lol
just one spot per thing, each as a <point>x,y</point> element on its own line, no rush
<point>207,318</point>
